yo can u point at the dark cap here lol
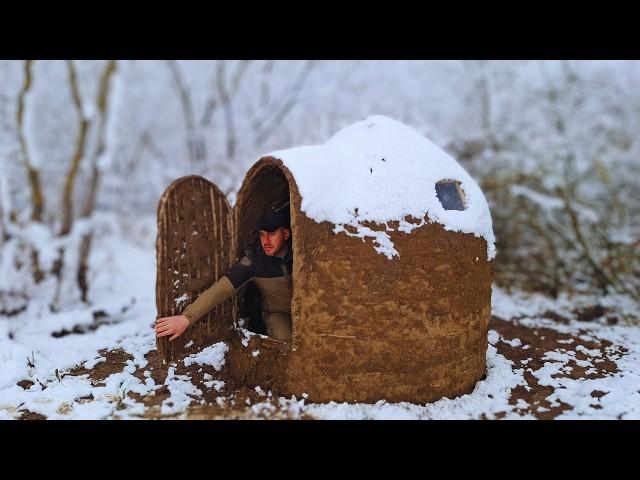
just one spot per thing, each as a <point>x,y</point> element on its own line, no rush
<point>271,221</point>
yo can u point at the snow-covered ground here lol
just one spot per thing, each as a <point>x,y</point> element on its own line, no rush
<point>123,288</point>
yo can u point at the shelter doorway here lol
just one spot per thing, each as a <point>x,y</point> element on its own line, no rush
<point>267,190</point>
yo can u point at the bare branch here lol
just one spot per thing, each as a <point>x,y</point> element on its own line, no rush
<point>195,145</point>
<point>183,93</point>
<point>264,84</point>
<point>226,94</point>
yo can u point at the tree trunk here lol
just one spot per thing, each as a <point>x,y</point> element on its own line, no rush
<point>94,181</point>
<point>67,195</point>
<point>33,175</point>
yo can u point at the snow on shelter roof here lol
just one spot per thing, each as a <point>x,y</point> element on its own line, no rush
<point>379,170</point>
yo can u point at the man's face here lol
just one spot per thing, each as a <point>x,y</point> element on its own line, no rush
<point>273,243</point>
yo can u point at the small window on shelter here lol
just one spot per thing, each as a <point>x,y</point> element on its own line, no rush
<point>450,195</point>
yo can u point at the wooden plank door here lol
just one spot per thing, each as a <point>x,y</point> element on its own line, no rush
<point>195,246</point>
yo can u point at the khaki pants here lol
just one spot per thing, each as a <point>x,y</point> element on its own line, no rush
<point>278,325</point>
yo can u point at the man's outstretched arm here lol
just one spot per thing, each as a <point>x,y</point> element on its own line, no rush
<point>217,293</point>
<point>210,298</point>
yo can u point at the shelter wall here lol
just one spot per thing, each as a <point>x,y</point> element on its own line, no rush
<point>367,328</point>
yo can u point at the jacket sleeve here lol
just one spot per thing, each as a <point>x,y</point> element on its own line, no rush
<point>239,274</point>
<point>210,298</point>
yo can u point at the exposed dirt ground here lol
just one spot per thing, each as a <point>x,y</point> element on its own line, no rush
<point>524,346</point>
<point>213,404</point>
<point>540,341</point>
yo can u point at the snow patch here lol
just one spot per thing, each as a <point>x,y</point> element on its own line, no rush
<point>380,170</point>
<point>212,355</point>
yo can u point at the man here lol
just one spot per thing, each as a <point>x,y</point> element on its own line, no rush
<point>268,264</point>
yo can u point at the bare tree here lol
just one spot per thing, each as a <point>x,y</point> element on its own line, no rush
<point>33,174</point>
<point>226,92</point>
<point>78,154</point>
<point>85,122</point>
<point>571,179</point>
<point>195,143</point>
<point>271,115</point>
<point>89,203</point>
<point>479,73</point>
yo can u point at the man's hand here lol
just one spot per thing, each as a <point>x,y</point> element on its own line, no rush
<point>174,326</point>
